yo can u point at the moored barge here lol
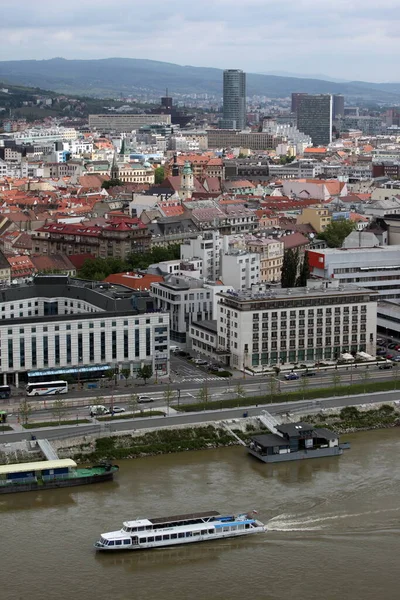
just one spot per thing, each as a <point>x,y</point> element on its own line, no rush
<point>51,474</point>
<point>296,441</point>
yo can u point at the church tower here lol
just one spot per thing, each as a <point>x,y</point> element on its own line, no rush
<point>187,182</point>
<point>114,173</point>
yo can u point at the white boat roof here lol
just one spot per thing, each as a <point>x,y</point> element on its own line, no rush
<point>138,523</point>
<point>37,466</point>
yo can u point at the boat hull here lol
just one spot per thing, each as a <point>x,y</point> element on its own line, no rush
<point>301,455</point>
<point>182,541</point>
<point>36,486</point>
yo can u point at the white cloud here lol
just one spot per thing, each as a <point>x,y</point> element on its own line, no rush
<point>352,39</point>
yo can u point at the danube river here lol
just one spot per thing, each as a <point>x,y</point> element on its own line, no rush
<point>334,530</point>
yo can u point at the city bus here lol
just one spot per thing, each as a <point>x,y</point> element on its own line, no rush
<point>5,391</point>
<point>46,388</point>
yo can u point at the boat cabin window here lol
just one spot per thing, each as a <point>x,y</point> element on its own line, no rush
<point>188,534</point>
<point>247,526</point>
<point>127,542</point>
<point>140,528</point>
<point>118,542</point>
<point>211,531</point>
<point>143,540</point>
<point>165,537</point>
<point>158,538</point>
<point>203,531</point>
<point>111,543</point>
<point>150,539</point>
<point>174,536</point>
<point>181,534</point>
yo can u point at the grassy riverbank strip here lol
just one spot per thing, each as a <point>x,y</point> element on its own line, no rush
<point>171,440</point>
<point>55,423</point>
<point>145,413</point>
<point>293,396</point>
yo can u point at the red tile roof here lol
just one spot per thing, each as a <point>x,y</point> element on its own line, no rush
<point>134,280</point>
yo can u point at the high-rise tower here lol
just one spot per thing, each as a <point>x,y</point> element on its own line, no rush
<point>234,107</point>
<point>314,118</point>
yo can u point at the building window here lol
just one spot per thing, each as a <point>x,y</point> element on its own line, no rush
<point>91,346</point>
<point>80,347</point>
<point>103,345</point>
<point>137,346</point>
<point>34,354</point>
<point>114,345</point>
<point>126,343</point>
<point>10,354</point>
<point>148,342</point>
<point>22,352</point>
<point>68,346</point>
<point>45,350</point>
<point>57,349</point>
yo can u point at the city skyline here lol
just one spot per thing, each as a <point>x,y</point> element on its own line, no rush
<point>211,36</point>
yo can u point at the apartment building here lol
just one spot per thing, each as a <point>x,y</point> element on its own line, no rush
<point>262,327</point>
<point>206,247</point>
<point>239,268</point>
<point>136,173</point>
<point>185,299</point>
<point>59,326</point>
<point>233,138</point>
<point>271,253</point>
<point>125,123</point>
<point>318,217</point>
<point>117,238</point>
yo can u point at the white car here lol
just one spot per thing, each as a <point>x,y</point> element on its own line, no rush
<point>199,361</point>
<point>145,399</point>
<point>117,409</point>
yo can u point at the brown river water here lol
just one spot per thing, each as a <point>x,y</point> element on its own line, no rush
<point>333,529</point>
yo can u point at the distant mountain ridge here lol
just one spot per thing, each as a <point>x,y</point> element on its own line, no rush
<point>113,76</point>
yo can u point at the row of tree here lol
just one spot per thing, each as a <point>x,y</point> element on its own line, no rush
<point>98,269</point>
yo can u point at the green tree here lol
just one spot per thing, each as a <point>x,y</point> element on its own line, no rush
<point>126,373</point>
<point>159,175</point>
<point>304,384</point>
<point>110,375</point>
<point>109,183</point>
<point>168,396</point>
<point>145,373</point>
<point>240,391</point>
<point>133,402</point>
<point>272,386</point>
<point>365,376</point>
<point>289,268</point>
<point>336,380</point>
<point>336,232</point>
<point>58,409</point>
<point>204,394</point>
<point>304,272</point>
<point>24,410</point>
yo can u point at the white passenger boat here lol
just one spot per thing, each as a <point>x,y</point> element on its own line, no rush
<point>143,534</point>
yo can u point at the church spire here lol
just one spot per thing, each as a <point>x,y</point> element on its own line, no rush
<point>114,174</point>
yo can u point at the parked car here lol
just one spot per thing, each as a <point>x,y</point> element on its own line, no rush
<point>386,365</point>
<point>117,409</point>
<point>389,356</point>
<point>183,353</point>
<point>380,341</point>
<point>396,358</point>
<point>397,347</point>
<point>145,399</point>
<point>199,361</point>
<point>392,345</point>
<point>289,376</point>
<point>381,352</point>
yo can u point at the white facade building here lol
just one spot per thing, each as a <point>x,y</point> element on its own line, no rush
<point>240,269</point>
<point>206,247</point>
<point>265,327</point>
<point>57,326</point>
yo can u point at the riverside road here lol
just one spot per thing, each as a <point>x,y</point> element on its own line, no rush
<point>196,417</point>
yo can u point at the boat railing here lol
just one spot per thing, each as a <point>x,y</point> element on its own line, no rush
<point>19,481</point>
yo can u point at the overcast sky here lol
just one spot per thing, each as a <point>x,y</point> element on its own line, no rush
<point>349,39</point>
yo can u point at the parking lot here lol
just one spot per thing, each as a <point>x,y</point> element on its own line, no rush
<point>183,369</point>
